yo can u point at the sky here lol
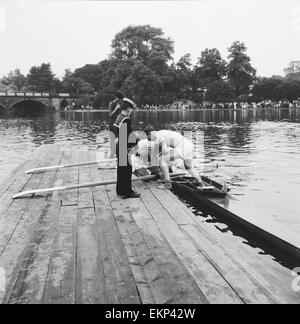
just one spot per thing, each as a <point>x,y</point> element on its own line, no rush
<point>70,34</point>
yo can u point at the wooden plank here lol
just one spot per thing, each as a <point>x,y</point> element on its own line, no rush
<point>250,291</point>
<point>147,276</point>
<point>85,198</point>
<point>34,237</point>
<point>10,219</point>
<point>214,287</point>
<point>70,197</point>
<point>60,285</point>
<point>157,282</point>
<point>178,280</point>
<point>120,284</point>
<point>20,170</point>
<point>20,180</point>
<point>90,279</point>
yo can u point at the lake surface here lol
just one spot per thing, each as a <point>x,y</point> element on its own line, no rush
<point>258,151</point>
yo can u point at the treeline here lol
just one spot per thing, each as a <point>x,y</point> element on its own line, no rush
<point>141,64</point>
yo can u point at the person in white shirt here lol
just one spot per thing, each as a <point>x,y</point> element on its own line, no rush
<point>172,146</point>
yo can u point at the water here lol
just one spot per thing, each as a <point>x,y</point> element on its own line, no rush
<point>258,152</point>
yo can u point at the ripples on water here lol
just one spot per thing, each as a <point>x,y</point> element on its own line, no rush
<point>258,152</point>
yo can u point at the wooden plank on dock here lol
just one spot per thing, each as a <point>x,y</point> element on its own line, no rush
<point>120,284</point>
<point>90,279</point>
<point>34,160</point>
<point>211,283</point>
<point>25,256</point>
<point>149,268</point>
<point>85,198</point>
<point>70,197</point>
<point>18,181</point>
<point>10,218</point>
<point>93,247</point>
<point>178,280</point>
<point>60,284</point>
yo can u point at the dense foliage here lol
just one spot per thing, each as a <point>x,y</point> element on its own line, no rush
<point>141,64</point>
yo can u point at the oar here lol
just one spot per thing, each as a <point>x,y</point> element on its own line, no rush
<point>55,167</point>
<point>85,185</point>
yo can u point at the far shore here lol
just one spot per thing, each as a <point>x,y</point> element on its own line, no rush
<point>174,110</point>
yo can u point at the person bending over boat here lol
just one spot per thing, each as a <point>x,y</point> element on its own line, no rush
<point>172,146</point>
<point>126,140</point>
<point>144,159</point>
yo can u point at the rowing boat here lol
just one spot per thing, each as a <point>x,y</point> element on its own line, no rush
<point>211,188</point>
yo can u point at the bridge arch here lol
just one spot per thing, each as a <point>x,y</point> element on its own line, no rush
<point>2,110</point>
<point>28,105</point>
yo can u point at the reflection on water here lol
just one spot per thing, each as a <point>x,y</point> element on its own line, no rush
<point>258,151</point>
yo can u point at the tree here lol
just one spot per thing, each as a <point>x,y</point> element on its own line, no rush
<point>143,84</point>
<point>264,88</point>
<point>139,66</point>
<point>240,72</point>
<point>145,43</point>
<point>219,91</point>
<point>41,78</point>
<point>17,79</point>
<point>293,70</point>
<point>276,89</point>
<point>6,86</point>
<point>76,85</point>
<point>288,90</point>
<point>91,73</point>
<point>210,67</point>
<point>183,77</point>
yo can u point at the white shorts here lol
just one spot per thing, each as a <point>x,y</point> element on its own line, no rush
<point>185,149</point>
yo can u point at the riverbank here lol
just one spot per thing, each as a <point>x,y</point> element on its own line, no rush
<point>186,110</point>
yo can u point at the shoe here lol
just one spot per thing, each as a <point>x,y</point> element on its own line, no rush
<point>167,186</point>
<point>132,196</point>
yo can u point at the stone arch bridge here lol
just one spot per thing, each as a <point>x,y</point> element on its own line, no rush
<point>39,100</point>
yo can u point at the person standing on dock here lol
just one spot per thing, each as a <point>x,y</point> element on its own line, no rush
<point>114,110</point>
<point>126,140</point>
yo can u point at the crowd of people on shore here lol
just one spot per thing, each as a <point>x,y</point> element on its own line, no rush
<point>206,105</point>
<point>231,105</point>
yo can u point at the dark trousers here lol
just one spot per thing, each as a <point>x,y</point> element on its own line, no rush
<point>124,176</point>
<point>124,185</point>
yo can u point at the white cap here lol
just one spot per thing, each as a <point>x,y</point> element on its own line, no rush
<point>129,101</point>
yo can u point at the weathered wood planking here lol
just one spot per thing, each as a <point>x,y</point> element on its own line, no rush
<point>60,280</point>
<point>180,283</point>
<point>21,251</point>
<point>85,198</point>
<point>70,197</point>
<point>237,276</point>
<point>209,281</point>
<point>18,181</point>
<point>90,246</point>
<point>119,279</point>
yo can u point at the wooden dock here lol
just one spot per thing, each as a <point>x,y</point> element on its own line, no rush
<point>89,246</point>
